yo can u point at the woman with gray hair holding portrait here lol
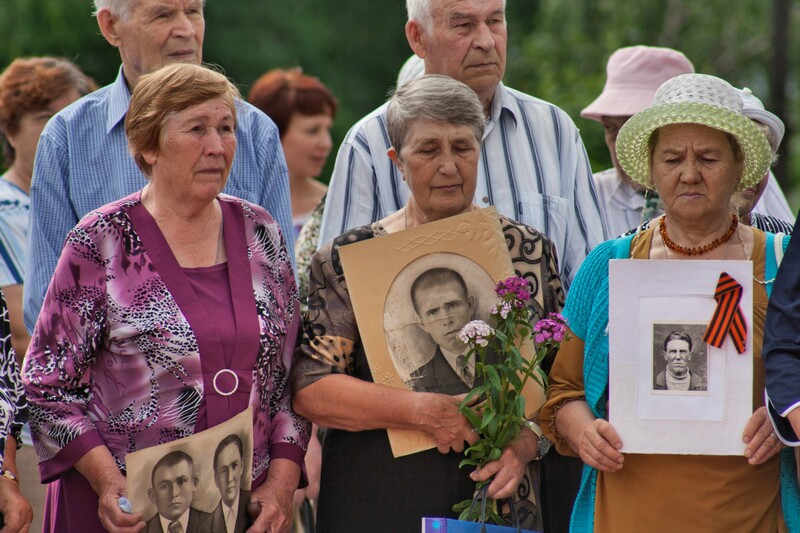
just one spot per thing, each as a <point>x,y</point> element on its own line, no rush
<point>696,148</point>
<point>170,311</point>
<point>435,124</point>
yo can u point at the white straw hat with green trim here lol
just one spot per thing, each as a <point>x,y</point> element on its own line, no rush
<point>693,99</point>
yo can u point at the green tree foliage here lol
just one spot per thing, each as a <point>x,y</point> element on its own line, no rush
<point>63,28</point>
<point>557,49</point>
<point>563,54</point>
<point>354,47</point>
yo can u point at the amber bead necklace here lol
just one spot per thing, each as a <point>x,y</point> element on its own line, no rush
<point>696,250</point>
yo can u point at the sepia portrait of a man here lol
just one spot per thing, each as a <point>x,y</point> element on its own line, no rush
<point>443,305</point>
<point>173,484</point>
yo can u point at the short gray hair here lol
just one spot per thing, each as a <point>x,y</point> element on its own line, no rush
<point>118,8</point>
<point>422,12</point>
<point>433,97</point>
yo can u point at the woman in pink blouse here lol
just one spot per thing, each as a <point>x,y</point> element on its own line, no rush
<point>170,311</point>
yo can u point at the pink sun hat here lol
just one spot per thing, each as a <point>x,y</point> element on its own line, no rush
<point>633,75</point>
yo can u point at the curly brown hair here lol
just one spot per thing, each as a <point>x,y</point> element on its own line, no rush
<point>30,84</point>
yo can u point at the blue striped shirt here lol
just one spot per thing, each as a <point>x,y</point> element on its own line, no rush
<point>82,162</point>
<point>15,207</point>
<point>533,168</point>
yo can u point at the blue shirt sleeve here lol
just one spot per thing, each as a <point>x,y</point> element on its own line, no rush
<point>51,216</point>
<point>265,151</point>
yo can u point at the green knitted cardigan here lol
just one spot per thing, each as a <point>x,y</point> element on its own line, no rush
<point>586,312</point>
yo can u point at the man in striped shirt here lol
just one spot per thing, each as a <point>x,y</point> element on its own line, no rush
<point>533,164</point>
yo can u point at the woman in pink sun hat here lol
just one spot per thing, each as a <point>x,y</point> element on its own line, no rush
<point>633,75</point>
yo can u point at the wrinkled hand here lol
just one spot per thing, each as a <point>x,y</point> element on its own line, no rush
<point>510,468</point>
<point>762,443</point>
<point>442,421</point>
<point>271,508</point>
<point>111,516</point>
<point>600,445</point>
<point>16,511</point>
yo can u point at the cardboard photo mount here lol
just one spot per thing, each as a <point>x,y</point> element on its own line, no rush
<point>643,293</point>
<point>200,447</point>
<point>373,266</point>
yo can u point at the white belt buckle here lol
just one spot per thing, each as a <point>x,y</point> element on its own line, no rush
<point>235,378</point>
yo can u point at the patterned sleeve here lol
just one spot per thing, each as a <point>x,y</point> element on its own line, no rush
<point>304,248</point>
<point>13,406</point>
<point>58,368</point>
<point>330,330</point>
<point>552,290</point>
<point>534,258</point>
<point>286,434</point>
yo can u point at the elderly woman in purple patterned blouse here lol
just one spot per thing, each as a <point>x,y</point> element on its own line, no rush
<point>170,311</point>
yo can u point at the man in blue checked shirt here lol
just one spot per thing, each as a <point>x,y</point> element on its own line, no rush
<point>82,161</point>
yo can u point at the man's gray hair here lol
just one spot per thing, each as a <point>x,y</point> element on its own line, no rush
<point>118,8</point>
<point>433,97</point>
<point>422,12</point>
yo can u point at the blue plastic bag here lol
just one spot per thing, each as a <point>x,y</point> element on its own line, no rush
<point>450,525</point>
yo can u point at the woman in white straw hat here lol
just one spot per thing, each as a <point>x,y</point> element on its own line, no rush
<point>696,148</point>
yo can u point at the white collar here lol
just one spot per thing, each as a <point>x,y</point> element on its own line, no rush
<point>183,519</point>
<point>226,509</point>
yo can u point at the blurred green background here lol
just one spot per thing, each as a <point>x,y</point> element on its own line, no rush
<point>557,49</point>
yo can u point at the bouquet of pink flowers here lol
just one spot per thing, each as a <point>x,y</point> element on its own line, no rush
<point>501,373</point>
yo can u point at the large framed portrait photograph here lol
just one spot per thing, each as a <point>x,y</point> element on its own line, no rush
<point>201,481</point>
<point>412,292</point>
<point>669,391</point>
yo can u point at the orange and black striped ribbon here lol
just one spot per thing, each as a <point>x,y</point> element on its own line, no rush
<point>728,317</point>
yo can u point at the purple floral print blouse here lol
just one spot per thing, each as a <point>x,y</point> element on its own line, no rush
<point>115,357</point>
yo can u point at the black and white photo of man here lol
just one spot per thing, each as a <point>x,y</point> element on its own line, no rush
<point>230,516</point>
<point>443,305</point>
<point>678,376</point>
<point>173,484</point>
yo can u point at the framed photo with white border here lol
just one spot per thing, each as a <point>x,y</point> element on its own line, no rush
<point>651,304</point>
